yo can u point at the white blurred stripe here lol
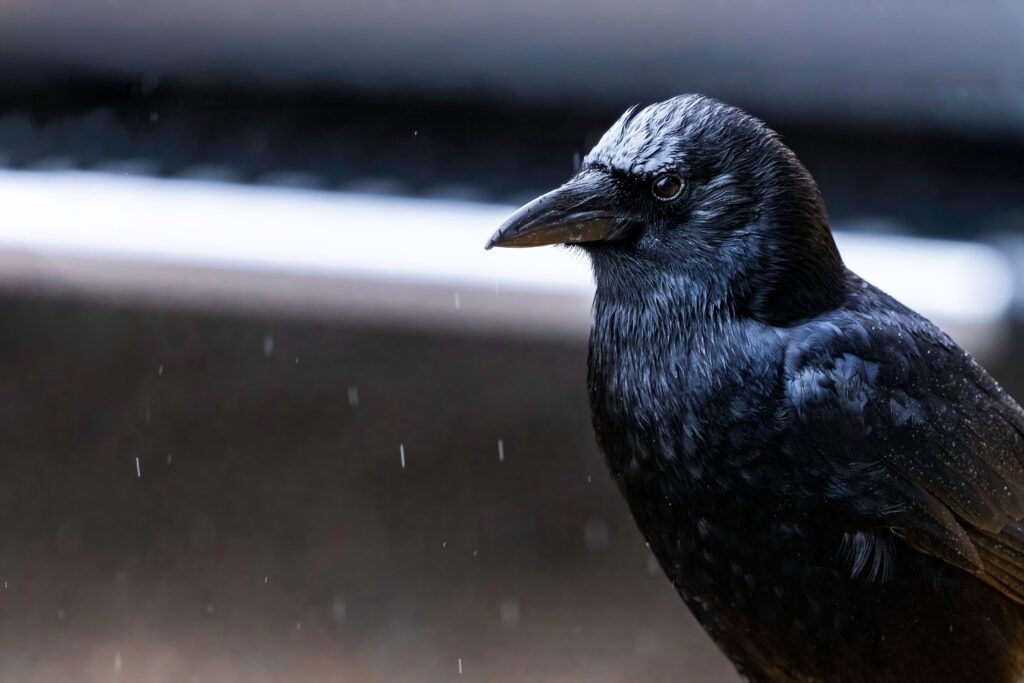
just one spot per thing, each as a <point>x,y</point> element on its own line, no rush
<point>240,244</point>
<point>266,228</point>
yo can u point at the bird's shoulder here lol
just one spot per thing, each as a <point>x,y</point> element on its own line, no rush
<point>881,367</point>
<point>877,385</point>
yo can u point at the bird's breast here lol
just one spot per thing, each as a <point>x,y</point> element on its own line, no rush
<point>683,404</point>
<point>691,431</point>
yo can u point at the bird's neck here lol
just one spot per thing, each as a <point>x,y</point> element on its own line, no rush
<point>797,271</point>
<point>652,306</point>
<point>656,326</point>
<point>787,279</point>
<point>803,276</point>
<point>674,352</point>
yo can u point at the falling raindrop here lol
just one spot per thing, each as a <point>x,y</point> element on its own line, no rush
<point>460,666</point>
<point>501,451</point>
<point>268,346</point>
<point>401,454</point>
<point>353,395</point>
<point>458,303</point>
<point>117,662</point>
<point>138,468</point>
<point>160,371</point>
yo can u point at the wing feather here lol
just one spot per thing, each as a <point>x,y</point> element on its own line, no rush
<point>895,392</point>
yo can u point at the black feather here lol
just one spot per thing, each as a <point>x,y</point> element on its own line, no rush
<point>832,484</point>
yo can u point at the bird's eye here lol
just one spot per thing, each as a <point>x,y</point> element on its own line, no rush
<point>667,186</point>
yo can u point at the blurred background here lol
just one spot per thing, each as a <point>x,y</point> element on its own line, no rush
<point>268,410</point>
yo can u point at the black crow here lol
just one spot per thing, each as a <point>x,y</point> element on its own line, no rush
<point>834,487</point>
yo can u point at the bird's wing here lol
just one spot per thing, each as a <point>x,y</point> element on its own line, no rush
<point>883,388</point>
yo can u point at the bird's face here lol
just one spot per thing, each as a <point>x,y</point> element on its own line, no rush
<point>689,186</point>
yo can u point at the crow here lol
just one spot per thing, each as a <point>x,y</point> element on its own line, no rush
<point>832,485</point>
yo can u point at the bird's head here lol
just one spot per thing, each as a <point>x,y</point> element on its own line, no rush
<point>697,193</point>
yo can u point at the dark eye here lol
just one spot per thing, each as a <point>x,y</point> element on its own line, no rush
<point>667,186</point>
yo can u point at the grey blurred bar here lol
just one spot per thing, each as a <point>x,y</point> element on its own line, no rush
<point>949,64</point>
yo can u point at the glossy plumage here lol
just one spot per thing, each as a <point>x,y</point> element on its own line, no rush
<point>803,488</point>
<point>834,487</point>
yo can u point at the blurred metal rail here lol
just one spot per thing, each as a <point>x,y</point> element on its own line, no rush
<point>411,262</point>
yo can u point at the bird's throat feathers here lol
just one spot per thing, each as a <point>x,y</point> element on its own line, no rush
<point>673,352</point>
<point>777,276</point>
<point>655,305</point>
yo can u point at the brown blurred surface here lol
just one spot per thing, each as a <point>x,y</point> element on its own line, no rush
<point>273,534</point>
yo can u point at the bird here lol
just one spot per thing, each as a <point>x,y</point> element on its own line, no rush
<point>833,486</point>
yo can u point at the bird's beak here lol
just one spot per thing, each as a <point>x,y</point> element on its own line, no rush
<point>582,210</point>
